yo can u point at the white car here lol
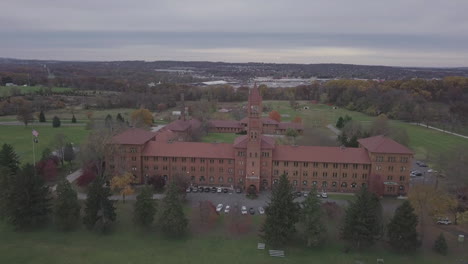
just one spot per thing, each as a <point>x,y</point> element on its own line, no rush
<point>306,194</point>
<point>444,221</point>
<point>227,209</point>
<point>219,208</point>
<point>219,190</point>
<point>244,210</point>
<point>324,195</point>
<point>261,210</point>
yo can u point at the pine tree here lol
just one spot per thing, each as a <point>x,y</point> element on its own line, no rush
<point>29,200</point>
<point>99,210</point>
<point>56,122</point>
<point>9,158</point>
<point>340,123</point>
<point>363,219</point>
<point>67,208</point>
<point>46,154</point>
<point>440,245</point>
<point>311,219</point>
<point>172,220</point>
<point>401,230</point>
<point>119,118</point>
<point>73,120</point>
<point>42,118</point>
<point>68,153</point>
<point>281,214</point>
<point>108,121</point>
<point>145,208</point>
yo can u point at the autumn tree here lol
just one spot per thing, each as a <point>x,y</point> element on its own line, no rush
<point>142,117</point>
<point>421,197</point>
<point>145,208</point>
<point>297,119</point>
<point>66,207</point>
<point>275,116</point>
<point>281,214</point>
<point>25,113</point>
<point>402,228</point>
<point>123,184</point>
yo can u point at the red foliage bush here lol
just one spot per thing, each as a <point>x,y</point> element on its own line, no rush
<point>47,169</point>
<point>89,174</point>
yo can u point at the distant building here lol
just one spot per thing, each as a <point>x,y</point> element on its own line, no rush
<point>254,160</point>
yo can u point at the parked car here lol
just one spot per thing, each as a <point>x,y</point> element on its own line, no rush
<point>219,208</point>
<point>227,209</point>
<point>261,210</point>
<point>305,194</point>
<point>225,190</point>
<point>444,221</point>
<point>219,190</point>
<point>194,189</point>
<point>244,210</point>
<point>251,211</point>
<point>188,190</point>
<point>319,195</point>
<point>422,164</point>
<point>298,194</point>
<point>324,195</point>
<point>213,189</point>
<point>207,189</point>
<point>200,189</point>
<point>238,190</point>
<point>431,171</point>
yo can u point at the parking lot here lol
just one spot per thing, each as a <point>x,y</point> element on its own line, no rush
<point>428,176</point>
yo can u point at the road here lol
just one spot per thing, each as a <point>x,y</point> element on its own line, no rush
<point>334,129</point>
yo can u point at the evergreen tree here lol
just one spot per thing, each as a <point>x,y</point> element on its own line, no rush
<point>42,118</point>
<point>9,158</point>
<point>119,118</point>
<point>353,142</point>
<point>29,200</point>
<point>56,122</point>
<point>99,210</point>
<point>281,214</point>
<point>363,219</point>
<point>172,220</point>
<point>340,123</point>
<point>46,154</point>
<point>73,119</point>
<point>401,230</point>
<point>145,208</point>
<point>108,121</point>
<point>311,219</point>
<point>67,208</point>
<point>440,245</point>
<point>68,153</point>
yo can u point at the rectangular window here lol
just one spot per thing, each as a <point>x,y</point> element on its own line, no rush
<point>325,165</point>
<point>390,168</point>
<point>345,175</point>
<point>202,169</point>
<point>164,158</point>
<point>335,175</point>
<point>379,158</point>
<point>325,174</point>
<point>296,164</point>
<point>345,166</point>
<point>355,166</point>
<point>276,163</point>
<point>184,159</point>
<point>314,174</point>
<point>192,159</point>
<point>285,163</point>
<point>211,161</point>
<point>304,173</point>
<point>391,159</point>
<point>402,178</point>
<point>134,158</point>
<point>202,160</point>
<point>404,159</point>
<point>364,176</point>
<point>275,172</point>
<point>335,165</point>
<point>305,165</point>
<point>221,161</point>
<point>403,168</point>
<point>365,166</point>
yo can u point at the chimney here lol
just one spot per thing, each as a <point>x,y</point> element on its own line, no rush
<point>182,113</point>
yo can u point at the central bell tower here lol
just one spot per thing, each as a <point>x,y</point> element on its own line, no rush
<point>254,133</point>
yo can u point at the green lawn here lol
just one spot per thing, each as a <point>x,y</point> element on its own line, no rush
<point>127,244</point>
<point>20,138</point>
<point>5,91</point>
<point>220,137</point>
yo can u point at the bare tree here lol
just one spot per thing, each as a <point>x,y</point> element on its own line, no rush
<point>58,143</point>
<point>25,113</point>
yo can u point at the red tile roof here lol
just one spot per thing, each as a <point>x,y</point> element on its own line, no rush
<point>266,143</point>
<point>321,154</point>
<point>165,135</point>
<point>225,123</point>
<point>265,120</point>
<point>183,125</point>
<point>189,149</point>
<point>133,136</point>
<point>382,144</point>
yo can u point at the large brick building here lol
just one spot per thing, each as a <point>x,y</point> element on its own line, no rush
<point>255,161</point>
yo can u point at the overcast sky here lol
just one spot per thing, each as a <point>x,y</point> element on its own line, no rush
<point>383,32</point>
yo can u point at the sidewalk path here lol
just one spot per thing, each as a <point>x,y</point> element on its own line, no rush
<point>17,123</point>
<point>334,129</point>
<point>441,130</point>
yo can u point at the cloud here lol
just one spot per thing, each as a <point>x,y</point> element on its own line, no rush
<point>398,32</point>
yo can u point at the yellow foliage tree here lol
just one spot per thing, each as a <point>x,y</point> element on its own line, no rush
<point>122,184</point>
<point>142,116</point>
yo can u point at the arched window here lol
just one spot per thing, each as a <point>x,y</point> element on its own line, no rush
<point>211,179</point>
<point>295,182</point>
<point>304,183</point>
<point>220,179</point>
<point>230,179</point>
<point>402,188</point>
<point>192,178</point>
<point>275,181</point>
<point>324,184</point>
<point>334,184</point>
<point>314,183</point>
<point>241,180</point>
<point>202,178</point>
<point>353,185</point>
<point>344,184</point>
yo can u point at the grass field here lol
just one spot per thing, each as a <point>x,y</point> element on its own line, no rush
<point>220,137</point>
<point>5,91</point>
<point>425,142</point>
<point>20,138</point>
<point>127,244</point>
